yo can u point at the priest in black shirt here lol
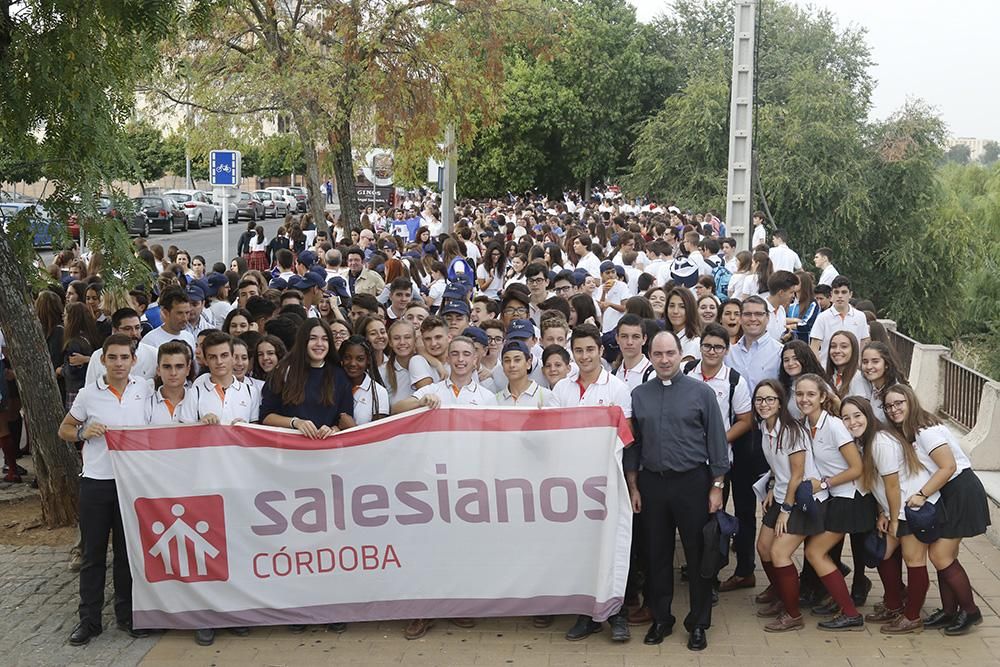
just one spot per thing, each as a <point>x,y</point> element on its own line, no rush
<point>680,445</point>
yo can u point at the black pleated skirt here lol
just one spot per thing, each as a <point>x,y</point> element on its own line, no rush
<point>799,522</point>
<point>966,508</point>
<point>851,515</point>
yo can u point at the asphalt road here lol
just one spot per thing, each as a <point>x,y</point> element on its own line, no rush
<point>208,242</point>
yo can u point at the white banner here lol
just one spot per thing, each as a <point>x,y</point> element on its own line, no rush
<point>441,513</point>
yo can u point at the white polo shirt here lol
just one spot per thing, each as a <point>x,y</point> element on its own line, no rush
<point>784,258</point>
<point>776,321</point>
<point>160,412</point>
<point>239,401</point>
<point>777,452</point>
<point>99,404</point>
<point>534,396</point>
<point>719,383</point>
<point>370,399</point>
<point>451,394</point>
<point>931,438</point>
<point>830,322</point>
<point>633,376</point>
<point>828,437</point>
<point>829,273</point>
<point>145,364</point>
<point>759,237</point>
<point>591,264</point>
<point>858,386</point>
<point>607,390</point>
<point>159,336</point>
<point>498,381</point>
<point>887,453</point>
<point>618,294</point>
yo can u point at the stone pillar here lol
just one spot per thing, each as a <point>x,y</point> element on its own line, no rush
<point>925,375</point>
<point>982,443</point>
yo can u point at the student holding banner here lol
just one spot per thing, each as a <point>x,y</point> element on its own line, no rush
<point>116,399</point>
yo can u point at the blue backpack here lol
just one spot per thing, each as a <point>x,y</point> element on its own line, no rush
<point>467,276</point>
<point>721,275</point>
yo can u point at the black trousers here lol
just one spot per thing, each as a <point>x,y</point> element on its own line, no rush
<point>100,518</point>
<point>748,465</point>
<point>671,503</point>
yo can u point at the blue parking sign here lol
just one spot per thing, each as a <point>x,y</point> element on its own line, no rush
<point>224,168</point>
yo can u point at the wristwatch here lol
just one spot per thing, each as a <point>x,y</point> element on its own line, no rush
<point>719,485</point>
<point>824,484</point>
<point>786,508</point>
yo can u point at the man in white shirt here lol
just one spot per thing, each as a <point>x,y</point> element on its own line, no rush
<point>729,254</point>
<point>588,260</point>
<point>219,398</point>
<point>841,316</point>
<point>521,390</point>
<point>594,386</point>
<point>631,337</point>
<point>823,259</point>
<point>116,399</point>
<point>781,288</point>
<point>461,387</point>
<point>199,318</point>
<point>759,231</point>
<point>218,297</point>
<point>782,257</point>
<point>175,308</point>
<point>126,321</point>
<point>756,356</point>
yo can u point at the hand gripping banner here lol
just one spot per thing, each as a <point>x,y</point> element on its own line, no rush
<point>442,513</point>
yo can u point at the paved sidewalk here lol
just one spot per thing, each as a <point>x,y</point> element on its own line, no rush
<point>38,598</point>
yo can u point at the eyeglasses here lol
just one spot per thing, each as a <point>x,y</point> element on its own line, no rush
<point>894,406</point>
<point>341,335</point>
<point>515,311</point>
<point>754,314</point>
<point>563,289</point>
<point>494,340</point>
<point>705,347</point>
<point>765,400</point>
<point>539,279</point>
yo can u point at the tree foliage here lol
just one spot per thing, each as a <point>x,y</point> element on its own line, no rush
<point>959,154</point>
<point>991,153</point>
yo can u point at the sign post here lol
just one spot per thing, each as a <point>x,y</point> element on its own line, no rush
<point>224,174</point>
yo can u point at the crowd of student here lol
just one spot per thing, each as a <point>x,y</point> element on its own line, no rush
<point>531,302</point>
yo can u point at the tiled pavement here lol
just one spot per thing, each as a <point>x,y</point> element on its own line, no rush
<point>38,609</point>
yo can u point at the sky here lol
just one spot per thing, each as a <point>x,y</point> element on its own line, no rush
<point>942,52</point>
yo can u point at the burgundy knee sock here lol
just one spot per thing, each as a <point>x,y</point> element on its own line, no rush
<point>890,571</point>
<point>786,581</point>
<point>837,588</point>
<point>957,580</point>
<point>769,571</point>
<point>949,603</point>
<point>9,455</point>
<point>917,583</point>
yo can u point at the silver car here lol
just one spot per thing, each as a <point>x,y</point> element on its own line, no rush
<point>197,207</point>
<point>274,205</point>
<point>217,205</point>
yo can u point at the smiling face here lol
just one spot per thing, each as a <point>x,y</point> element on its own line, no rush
<point>377,336</point>
<point>658,300</point>
<point>809,397</point>
<point>708,310</point>
<point>555,369</point>
<point>463,359</point>
<point>267,357</point>
<point>766,402</point>
<point>241,360</point>
<point>840,350</point>
<point>318,346</point>
<point>515,365</point>
<point>587,355</point>
<point>854,420</point>
<point>435,341</point>
<point>896,407</point>
<point>676,312</point>
<point>239,324</point>
<point>873,366</point>
<point>402,340</point>
<point>790,362</point>
<point>354,360</point>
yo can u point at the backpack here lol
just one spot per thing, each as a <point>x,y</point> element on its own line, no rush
<point>466,277</point>
<point>734,379</point>
<point>721,275</point>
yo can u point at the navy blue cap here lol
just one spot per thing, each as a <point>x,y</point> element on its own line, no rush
<point>516,346</point>
<point>278,283</point>
<point>875,545</point>
<point>430,249</point>
<point>478,335</point>
<point>607,265</point>
<point>922,522</point>
<point>455,306</point>
<point>307,257</point>
<point>580,276</point>
<point>214,281</point>
<point>306,281</point>
<point>728,524</point>
<point>454,290</point>
<point>388,244</point>
<point>195,291</point>
<point>620,271</point>
<point>804,499</point>
<point>520,330</point>
<point>338,286</point>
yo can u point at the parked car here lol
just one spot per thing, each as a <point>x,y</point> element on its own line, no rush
<point>139,223</point>
<point>301,198</point>
<point>199,210</point>
<point>39,222</point>
<point>274,204</point>
<point>249,206</point>
<point>217,205</point>
<point>163,212</point>
<point>286,195</point>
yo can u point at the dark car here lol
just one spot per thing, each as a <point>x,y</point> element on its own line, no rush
<point>163,213</point>
<point>139,222</point>
<point>249,207</point>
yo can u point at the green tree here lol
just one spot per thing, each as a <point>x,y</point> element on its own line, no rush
<point>148,152</point>
<point>991,153</point>
<point>69,77</point>
<point>280,155</point>
<point>958,153</point>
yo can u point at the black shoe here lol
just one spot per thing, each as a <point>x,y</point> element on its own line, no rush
<point>126,626</point>
<point>939,618</point>
<point>844,569</point>
<point>809,598</point>
<point>684,572</point>
<point>657,633</point>
<point>296,629</point>
<point>19,470</point>
<point>697,641</point>
<point>82,634</point>
<point>963,623</point>
<point>336,627</point>
<point>827,607</point>
<point>583,628</point>
<point>859,593</point>
<point>241,631</point>
<point>204,637</point>
<point>619,628</point>
<point>715,597</point>
<point>843,623</point>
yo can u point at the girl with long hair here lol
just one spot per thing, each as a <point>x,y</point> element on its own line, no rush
<point>373,330</point>
<point>257,259</point>
<point>79,337</point>
<point>881,370</point>
<point>266,355</point>
<point>490,274</point>
<point>308,390</point>
<point>406,370</point>
<point>682,319</point>
<point>740,275</point>
<point>963,507</point>
<point>583,311</point>
<point>797,358</point>
<point>785,524</point>
<point>708,309</point>
<point>805,309</point>
<point>839,464</point>
<point>371,400</point>
<point>843,363</point>
<point>658,302</point>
